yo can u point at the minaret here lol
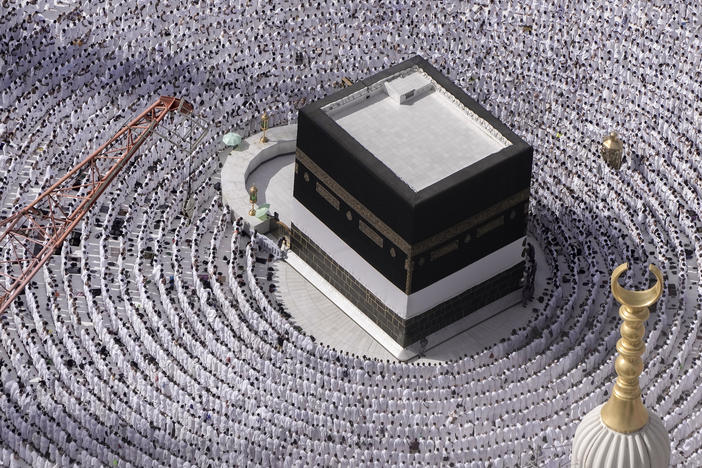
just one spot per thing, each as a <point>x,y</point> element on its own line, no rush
<point>622,433</point>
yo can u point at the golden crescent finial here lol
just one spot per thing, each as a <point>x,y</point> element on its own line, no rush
<point>624,412</point>
<point>637,299</point>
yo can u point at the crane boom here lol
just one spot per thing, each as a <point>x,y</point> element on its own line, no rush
<point>30,235</point>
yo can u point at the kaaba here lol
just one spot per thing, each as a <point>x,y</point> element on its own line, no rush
<point>410,199</point>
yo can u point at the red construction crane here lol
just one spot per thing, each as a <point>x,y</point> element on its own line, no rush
<point>32,234</point>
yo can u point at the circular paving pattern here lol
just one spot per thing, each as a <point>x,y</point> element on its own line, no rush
<point>156,340</point>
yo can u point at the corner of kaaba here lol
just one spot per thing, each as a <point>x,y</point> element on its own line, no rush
<point>410,199</point>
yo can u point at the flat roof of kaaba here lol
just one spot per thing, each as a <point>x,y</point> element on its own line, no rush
<point>415,127</point>
<point>466,189</point>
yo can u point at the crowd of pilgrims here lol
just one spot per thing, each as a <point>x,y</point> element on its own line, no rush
<point>162,342</point>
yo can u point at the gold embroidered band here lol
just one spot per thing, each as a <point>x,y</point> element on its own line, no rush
<point>374,236</point>
<point>377,224</point>
<point>333,201</point>
<point>489,226</point>
<point>443,250</point>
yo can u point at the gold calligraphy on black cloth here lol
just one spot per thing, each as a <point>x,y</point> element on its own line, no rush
<point>484,221</point>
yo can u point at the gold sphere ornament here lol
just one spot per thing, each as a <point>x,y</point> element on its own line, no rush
<point>612,150</point>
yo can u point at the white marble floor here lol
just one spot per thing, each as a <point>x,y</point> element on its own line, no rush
<point>274,180</point>
<point>321,318</point>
